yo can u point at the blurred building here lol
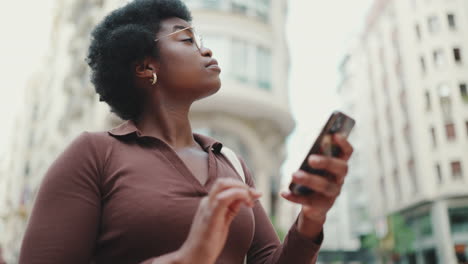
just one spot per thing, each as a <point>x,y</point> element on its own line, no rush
<point>250,114</point>
<point>348,221</point>
<point>406,85</point>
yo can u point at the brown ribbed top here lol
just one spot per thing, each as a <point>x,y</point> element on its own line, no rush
<point>122,197</point>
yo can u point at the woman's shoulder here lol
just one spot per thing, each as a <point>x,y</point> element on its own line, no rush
<point>91,143</point>
<point>93,138</point>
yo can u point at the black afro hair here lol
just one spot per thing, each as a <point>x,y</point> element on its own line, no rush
<point>123,37</point>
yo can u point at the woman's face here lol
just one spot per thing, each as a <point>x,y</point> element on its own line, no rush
<point>185,71</point>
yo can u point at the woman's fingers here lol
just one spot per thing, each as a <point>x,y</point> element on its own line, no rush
<point>229,194</point>
<point>225,183</point>
<point>227,199</point>
<point>324,186</point>
<point>335,166</point>
<point>345,146</point>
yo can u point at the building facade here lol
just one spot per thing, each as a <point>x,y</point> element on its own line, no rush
<point>406,84</point>
<point>250,114</point>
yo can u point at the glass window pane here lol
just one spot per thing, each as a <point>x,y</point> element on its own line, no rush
<point>239,6</point>
<point>457,55</point>
<point>262,9</point>
<point>464,92</point>
<point>450,131</point>
<point>433,24</point>
<point>263,68</point>
<point>456,169</point>
<point>451,21</point>
<point>459,220</point>
<point>239,60</point>
<point>439,58</point>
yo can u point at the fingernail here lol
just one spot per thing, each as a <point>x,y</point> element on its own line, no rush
<point>298,175</point>
<point>314,159</point>
<point>255,192</point>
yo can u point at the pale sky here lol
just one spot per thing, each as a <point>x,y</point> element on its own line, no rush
<point>319,33</point>
<point>24,33</point>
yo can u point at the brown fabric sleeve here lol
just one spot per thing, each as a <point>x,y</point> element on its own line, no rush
<point>64,222</point>
<point>266,247</point>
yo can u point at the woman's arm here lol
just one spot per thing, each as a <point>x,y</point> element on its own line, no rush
<point>64,222</point>
<point>266,247</point>
<point>63,226</point>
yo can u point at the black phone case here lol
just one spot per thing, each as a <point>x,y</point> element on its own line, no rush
<point>337,123</point>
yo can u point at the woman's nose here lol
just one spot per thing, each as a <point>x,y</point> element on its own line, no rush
<point>206,52</point>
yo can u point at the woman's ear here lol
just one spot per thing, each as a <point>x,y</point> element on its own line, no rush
<point>145,68</point>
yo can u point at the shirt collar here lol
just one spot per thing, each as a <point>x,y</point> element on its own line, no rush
<point>128,128</point>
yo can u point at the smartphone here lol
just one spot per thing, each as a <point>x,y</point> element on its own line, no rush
<point>338,123</point>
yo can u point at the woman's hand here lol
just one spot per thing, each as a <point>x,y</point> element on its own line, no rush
<point>326,190</point>
<point>215,213</point>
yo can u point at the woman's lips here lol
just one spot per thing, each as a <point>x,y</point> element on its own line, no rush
<point>214,67</point>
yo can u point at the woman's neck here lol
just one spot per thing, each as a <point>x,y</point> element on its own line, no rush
<point>168,122</point>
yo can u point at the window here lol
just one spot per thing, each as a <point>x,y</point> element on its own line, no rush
<point>418,31</point>
<point>262,9</point>
<point>212,4</point>
<point>27,169</point>
<point>263,68</point>
<point>407,133</point>
<point>433,137</point>
<point>457,55</point>
<point>439,173</point>
<point>451,21</point>
<point>403,102</point>
<point>423,64</point>
<point>383,188</point>
<point>427,95</point>
<point>413,176</point>
<point>433,24</point>
<point>464,92</point>
<point>258,8</point>
<point>425,225</point>
<point>456,169</point>
<point>450,131</point>
<point>445,101</point>
<point>239,60</point>
<point>466,125</point>
<point>439,58</point>
<point>239,6</point>
<point>396,180</point>
<point>458,220</point>
<point>429,256</point>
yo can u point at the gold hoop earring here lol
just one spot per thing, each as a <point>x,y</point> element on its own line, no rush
<point>154,79</point>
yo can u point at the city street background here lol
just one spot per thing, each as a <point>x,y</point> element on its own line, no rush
<point>398,66</point>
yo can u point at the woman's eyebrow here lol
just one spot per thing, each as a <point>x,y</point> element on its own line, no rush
<point>179,27</point>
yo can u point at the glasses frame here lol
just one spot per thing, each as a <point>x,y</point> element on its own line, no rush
<point>197,38</point>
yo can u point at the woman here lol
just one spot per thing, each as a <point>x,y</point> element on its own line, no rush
<point>149,190</point>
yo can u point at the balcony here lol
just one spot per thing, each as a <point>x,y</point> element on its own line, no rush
<point>258,9</point>
<point>248,102</point>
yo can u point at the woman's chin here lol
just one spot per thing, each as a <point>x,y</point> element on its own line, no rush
<point>213,89</point>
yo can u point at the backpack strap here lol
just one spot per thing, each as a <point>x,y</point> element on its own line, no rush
<point>232,157</point>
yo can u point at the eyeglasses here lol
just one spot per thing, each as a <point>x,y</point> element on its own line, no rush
<point>197,39</point>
